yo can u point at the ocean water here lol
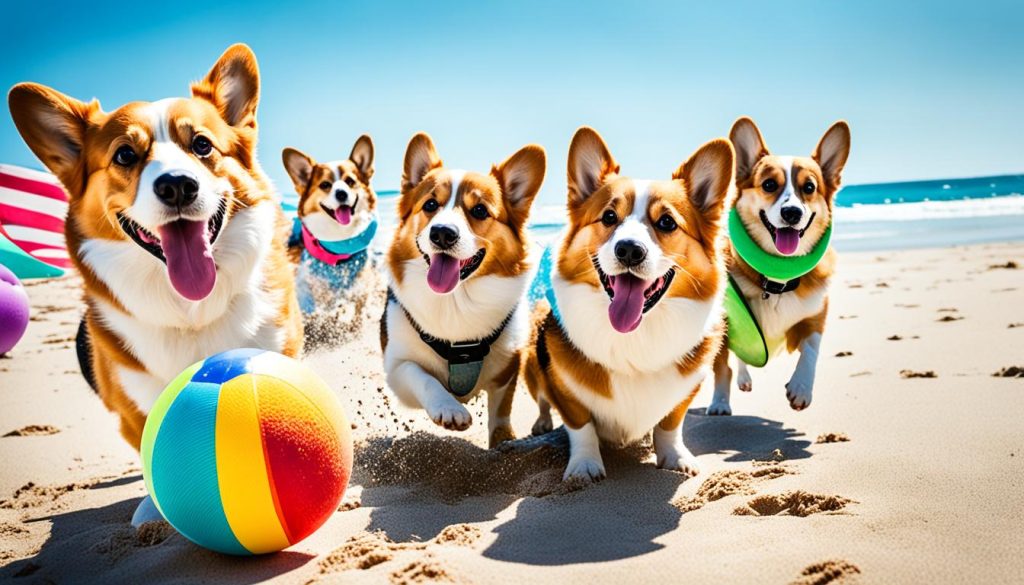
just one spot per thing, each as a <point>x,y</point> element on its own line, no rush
<point>882,216</point>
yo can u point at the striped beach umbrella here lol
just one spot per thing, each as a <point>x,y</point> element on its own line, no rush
<point>33,206</point>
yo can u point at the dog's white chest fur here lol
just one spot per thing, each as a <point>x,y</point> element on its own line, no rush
<point>645,382</point>
<point>473,311</point>
<point>779,313</point>
<point>167,333</point>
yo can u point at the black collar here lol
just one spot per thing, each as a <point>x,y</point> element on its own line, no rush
<point>771,287</point>
<point>457,352</point>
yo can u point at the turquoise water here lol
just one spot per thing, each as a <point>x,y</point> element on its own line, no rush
<point>937,190</point>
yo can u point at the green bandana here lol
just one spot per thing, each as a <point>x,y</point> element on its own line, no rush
<point>746,339</point>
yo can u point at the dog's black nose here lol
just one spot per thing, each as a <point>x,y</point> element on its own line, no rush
<point>341,195</point>
<point>630,252</point>
<point>176,189</point>
<point>792,214</point>
<point>443,236</point>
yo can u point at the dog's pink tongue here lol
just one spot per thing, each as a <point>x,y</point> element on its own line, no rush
<point>787,240</point>
<point>627,306</point>
<point>343,215</point>
<point>443,274</point>
<point>190,264</point>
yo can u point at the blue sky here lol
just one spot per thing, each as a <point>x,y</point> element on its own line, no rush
<point>931,89</point>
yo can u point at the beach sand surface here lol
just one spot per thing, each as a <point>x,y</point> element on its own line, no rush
<point>907,468</point>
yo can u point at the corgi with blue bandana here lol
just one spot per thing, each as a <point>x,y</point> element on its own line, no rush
<point>634,317</point>
<point>336,223</point>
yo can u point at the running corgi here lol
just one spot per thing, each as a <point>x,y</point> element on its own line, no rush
<point>174,227</point>
<point>635,315</point>
<point>456,318</point>
<point>780,258</point>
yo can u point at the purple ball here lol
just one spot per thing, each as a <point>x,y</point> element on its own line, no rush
<point>13,310</point>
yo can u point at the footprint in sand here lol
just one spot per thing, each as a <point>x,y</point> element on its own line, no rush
<point>831,571</point>
<point>792,503</point>
<point>894,338</point>
<point>1014,325</point>
<point>832,438</point>
<point>126,539</point>
<point>729,482</point>
<point>948,318</point>
<point>1009,372</point>
<point>1008,265</point>
<point>34,431</point>
<point>844,354</point>
<point>907,374</point>
<point>369,549</point>
<point>428,569</point>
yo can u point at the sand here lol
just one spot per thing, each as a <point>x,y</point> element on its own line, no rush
<point>907,468</point>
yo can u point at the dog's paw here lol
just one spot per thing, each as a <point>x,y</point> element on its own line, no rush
<point>717,408</point>
<point>543,425</point>
<point>799,393</point>
<point>743,381</point>
<point>584,468</point>
<point>452,416</point>
<point>679,458</point>
<point>500,434</point>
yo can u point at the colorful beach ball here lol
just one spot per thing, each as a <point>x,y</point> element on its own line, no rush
<point>247,452</point>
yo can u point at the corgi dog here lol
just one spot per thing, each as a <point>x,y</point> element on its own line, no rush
<point>337,219</point>
<point>173,226</point>
<point>784,206</point>
<point>456,319</point>
<point>635,315</point>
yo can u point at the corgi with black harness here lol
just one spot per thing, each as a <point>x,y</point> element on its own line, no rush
<point>456,318</point>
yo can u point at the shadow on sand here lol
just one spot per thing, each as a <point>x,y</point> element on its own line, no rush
<point>552,525</point>
<point>97,545</point>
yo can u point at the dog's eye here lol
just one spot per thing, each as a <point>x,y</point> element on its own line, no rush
<point>479,211</point>
<point>770,185</point>
<point>125,156</point>
<point>609,218</point>
<point>665,223</point>
<point>350,181</point>
<point>810,187</point>
<point>326,185</point>
<point>430,206</point>
<point>201,145</point>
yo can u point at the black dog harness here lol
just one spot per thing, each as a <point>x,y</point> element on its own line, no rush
<point>465,358</point>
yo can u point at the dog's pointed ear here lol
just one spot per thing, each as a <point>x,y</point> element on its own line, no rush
<point>54,126</point>
<point>420,158</point>
<point>233,86</point>
<point>709,175</point>
<point>749,144</point>
<point>831,153</point>
<point>590,164</point>
<point>520,177</point>
<point>362,156</point>
<point>300,168</point>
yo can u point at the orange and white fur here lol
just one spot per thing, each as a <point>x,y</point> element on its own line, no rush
<point>173,226</point>
<point>460,265</point>
<point>638,279</point>
<point>777,193</point>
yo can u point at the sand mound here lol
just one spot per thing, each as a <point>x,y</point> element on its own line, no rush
<point>793,503</point>
<point>362,552</point>
<point>34,431</point>
<point>729,482</point>
<point>452,469</point>
<point>1009,372</point>
<point>459,535</point>
<point>830,571</point>
<point>832,438</point>
<point>31,495</point>
<point>425,570</point>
